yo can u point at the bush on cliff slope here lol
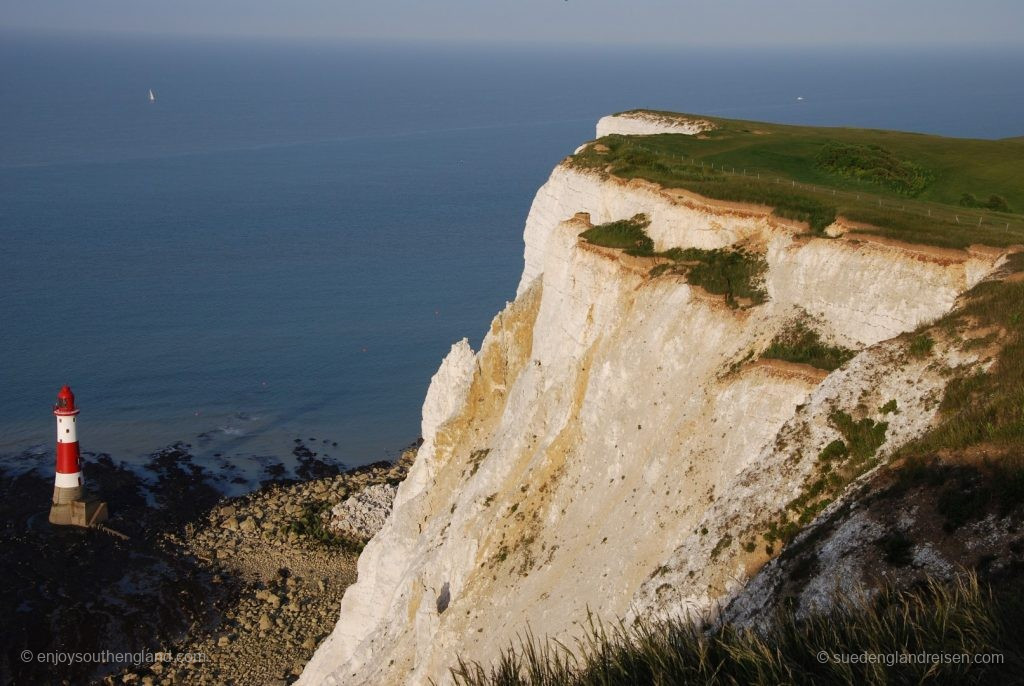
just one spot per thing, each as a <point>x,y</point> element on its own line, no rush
<point>736,274</point>
<point>625,234</point>
<point>802,344</point>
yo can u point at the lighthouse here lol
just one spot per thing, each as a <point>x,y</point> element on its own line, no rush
<point>70,504</point>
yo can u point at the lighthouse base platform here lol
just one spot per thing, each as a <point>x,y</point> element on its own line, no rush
<point>71,507</point>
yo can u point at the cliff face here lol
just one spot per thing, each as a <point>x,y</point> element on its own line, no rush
<point>615,439</point>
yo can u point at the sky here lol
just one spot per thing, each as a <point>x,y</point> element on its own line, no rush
<point>718,23</point>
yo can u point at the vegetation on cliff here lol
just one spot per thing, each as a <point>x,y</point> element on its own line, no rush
<point>913,187</point>
<point>966,468</point>
<point>987,407</point>
<point>802,344</point>
<point>735,273</point>
<point>964,621</point>
<point>624,234</point>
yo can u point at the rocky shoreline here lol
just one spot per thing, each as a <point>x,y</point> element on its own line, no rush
<point>290,573</point>
<point>241,589</point>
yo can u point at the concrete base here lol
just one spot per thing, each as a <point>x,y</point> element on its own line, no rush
<point>72,508</point>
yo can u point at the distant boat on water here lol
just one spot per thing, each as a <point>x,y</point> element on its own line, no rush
<point>152,97</point>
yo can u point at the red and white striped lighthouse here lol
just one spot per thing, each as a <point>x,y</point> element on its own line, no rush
<point>69,503</point>
<point>69,466</point>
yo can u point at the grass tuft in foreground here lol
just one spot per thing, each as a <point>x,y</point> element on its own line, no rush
<point>958,619</point>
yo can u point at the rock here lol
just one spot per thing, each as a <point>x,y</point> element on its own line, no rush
<point>362,515</point>
<point>231,524</point>
<point>223,641</point>
<point>265,622</point>
<point>248,525</point>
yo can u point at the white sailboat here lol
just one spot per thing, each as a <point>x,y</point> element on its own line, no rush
<point>152,97</point>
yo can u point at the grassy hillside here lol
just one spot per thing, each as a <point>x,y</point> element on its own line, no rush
<point>920,188</point>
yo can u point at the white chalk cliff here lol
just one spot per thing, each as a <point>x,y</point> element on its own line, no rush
<point>645,123</point>
<point>612,442</point>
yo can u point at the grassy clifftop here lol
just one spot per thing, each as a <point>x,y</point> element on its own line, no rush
<point>920,188</point>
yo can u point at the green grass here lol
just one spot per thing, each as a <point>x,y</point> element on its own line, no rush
<point>839,464</point>
<point>802,344</point>
<point>958,618</point>
<point>790,169</point>
<point>921,345</point>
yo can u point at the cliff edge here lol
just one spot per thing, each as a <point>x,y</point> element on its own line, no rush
<point>621,441</point>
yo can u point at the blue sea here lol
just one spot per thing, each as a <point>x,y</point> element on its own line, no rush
<point>288,240</point>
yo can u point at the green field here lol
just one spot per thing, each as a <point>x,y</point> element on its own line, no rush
<point>913,187</point>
